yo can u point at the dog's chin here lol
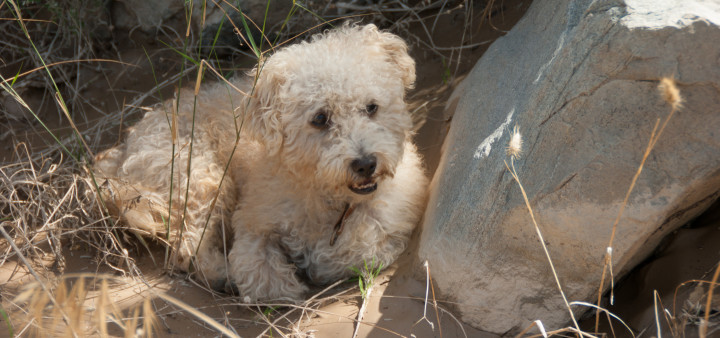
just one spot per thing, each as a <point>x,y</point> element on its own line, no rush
<point>364,187</point>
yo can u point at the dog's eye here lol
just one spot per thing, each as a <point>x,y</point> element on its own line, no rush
<point>320,120</point>
<point>371,109</point>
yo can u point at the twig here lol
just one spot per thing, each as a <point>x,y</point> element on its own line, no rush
<point>427,294</point>
<point>708,303</point>
<point>655,309</point>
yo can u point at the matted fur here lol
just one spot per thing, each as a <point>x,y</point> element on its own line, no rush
<point>288,181</point>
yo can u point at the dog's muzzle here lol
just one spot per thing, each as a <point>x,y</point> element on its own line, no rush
<point>364,169</point>
<point>364,188</point>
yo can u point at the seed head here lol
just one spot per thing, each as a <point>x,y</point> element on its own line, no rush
<point>514,148</point>
<point>670,93</point>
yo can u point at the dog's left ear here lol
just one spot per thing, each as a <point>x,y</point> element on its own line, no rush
<point>397,52</point>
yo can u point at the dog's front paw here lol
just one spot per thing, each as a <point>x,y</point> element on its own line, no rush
<point>272,289</point>
<point>292,290</point>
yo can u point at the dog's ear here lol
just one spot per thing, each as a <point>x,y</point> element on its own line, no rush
<point>397,52</point>
<point>262,111</point>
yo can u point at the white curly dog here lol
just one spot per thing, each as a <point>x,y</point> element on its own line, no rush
<point>311,172</point>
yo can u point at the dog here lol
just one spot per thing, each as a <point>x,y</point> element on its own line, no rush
<point>304,168</point>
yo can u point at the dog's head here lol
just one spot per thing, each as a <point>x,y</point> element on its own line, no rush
<point>333,109</point>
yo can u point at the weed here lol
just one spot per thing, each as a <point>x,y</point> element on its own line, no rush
<point>366,276</point>
<point>269,310</point>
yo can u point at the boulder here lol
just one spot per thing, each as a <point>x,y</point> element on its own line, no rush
<point>579,79</point>
<point>149,16</point>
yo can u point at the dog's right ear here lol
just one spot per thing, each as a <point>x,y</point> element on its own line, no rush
<point>262,119</point>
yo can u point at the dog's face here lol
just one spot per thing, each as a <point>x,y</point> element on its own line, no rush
<point>333,110</point>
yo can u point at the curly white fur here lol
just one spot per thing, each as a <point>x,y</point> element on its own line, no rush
<point>288,180</point>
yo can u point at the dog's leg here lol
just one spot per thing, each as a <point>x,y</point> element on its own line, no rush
<point>202,250</point>
<point>199,244</point>
<point>205,212</point>
<point>261,270</point>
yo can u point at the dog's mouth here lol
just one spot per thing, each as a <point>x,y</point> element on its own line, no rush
<point>364,187</point>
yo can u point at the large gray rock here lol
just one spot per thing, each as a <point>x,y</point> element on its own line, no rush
<point>579,79</point>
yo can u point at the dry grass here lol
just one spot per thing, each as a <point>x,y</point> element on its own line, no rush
<point>46,203</point>
<point>80,306</point>
<point>49,205</point>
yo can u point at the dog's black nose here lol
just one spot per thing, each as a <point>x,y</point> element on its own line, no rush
<point>364,166</point>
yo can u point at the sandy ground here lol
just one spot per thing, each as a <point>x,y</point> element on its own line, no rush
<point>395,308</point>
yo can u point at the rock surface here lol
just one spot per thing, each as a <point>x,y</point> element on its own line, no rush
<point>579,79</point>
<point>150,16</point>
<point>147,15</point>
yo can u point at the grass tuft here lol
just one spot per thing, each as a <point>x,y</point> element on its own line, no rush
<point>88,307</point>
<point>366,276</point>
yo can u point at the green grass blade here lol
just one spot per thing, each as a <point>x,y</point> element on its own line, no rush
<point>17,75</point>
<point>255,49</point>
<point>6,318</point>
<point>313,14</point>
<point>216,37</point>
<point>184,55</point>
<point>267,9</point>
<point>292,11</point>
